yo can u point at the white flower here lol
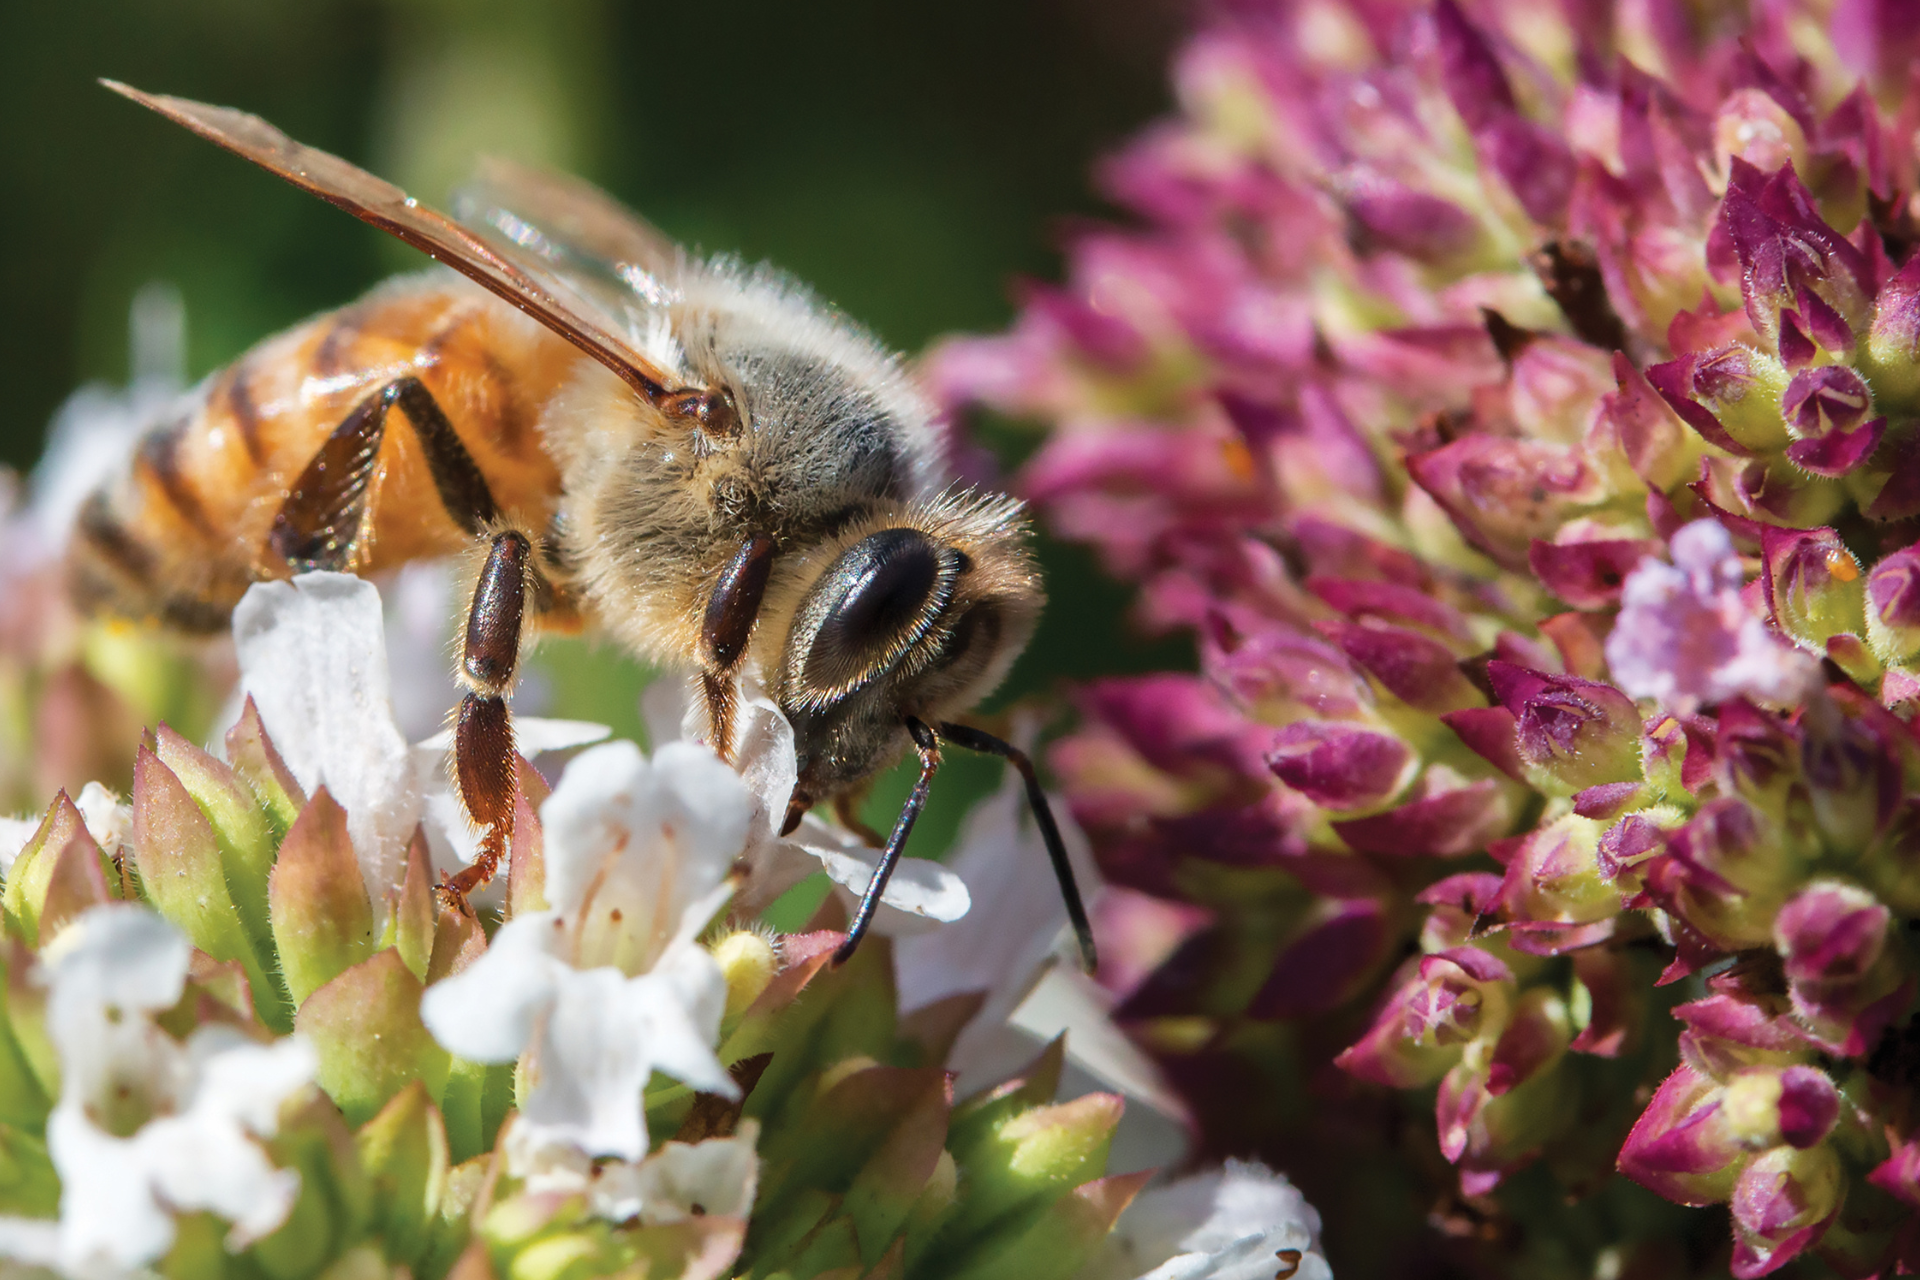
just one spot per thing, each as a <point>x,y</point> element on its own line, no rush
<point>716,1177</point>
<point>1242,1222</point>
<point>1016,949</point>
<point>109,820</point>
<point>921,893</point>
<point>1686,637</point>
<point>609,984</point>
<point>147,1127</point>
<point>14,835</point>
<point>313,657</point>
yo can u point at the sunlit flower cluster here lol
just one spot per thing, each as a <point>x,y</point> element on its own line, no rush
<point>1519,406</point>
<point>239,1028</point>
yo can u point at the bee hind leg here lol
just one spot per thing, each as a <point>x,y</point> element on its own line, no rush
<point>483,750</point>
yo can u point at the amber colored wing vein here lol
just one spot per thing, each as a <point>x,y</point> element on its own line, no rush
<point>522,278</point>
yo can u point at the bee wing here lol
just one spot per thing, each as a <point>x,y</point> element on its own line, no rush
<point>572,224</point>
<point>530,281</point>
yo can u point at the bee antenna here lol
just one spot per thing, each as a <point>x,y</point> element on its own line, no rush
<point>972,739</point>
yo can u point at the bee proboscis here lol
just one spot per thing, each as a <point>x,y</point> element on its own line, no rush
<point>697,458</point>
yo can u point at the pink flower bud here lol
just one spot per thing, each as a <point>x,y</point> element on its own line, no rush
<point>1893,607</point>
<point>1783,1202</point>
<point>1503,493</point>
<point>1341,766</point>
<point>1681,1146</point>
<point>1571,733</point>
<point>1730,395</point>
<point>1726,873</point>
<point>1814,586</point>
<point>1892,352</point>
<point>1832,941</point>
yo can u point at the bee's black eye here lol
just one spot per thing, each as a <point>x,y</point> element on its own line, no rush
<point>874,594</point>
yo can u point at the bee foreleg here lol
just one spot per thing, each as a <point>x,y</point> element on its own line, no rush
<point>483,752</point>
<point>929,748</point>
<point>972,739</point>
<point>321,523</point>
<point>725,630</point>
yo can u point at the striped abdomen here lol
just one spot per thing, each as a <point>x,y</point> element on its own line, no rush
<point>184,530</point>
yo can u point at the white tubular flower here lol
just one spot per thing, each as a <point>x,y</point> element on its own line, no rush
<point>681,1180</point>
<point>147,1128</point>
<point>1241,1222</point>
<point>609,985</point>
<point>109,820</point>
<point>921,894</point>
<point>1009,949</point>
<point>313,657</point>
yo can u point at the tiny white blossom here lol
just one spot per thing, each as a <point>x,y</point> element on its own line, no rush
<point>609,985</point>
<point>1013,948</point>
<point>147,1127</point>
<point>14,835</point>
<point>313,657</point>
<point>716,1177</point>
<point>109,820</point>
<point>1686,638</point>
<point>921,894</point>
<point>1241,1222</point>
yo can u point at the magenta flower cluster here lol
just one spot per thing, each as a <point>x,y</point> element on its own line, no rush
<point>1519,404</point>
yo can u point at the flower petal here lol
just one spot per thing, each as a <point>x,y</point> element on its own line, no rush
<point>313,657</point>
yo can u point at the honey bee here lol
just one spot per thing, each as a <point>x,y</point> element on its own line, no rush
<point>695,457</point>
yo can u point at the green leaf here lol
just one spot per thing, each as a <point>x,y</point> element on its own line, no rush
<point>322,921</point>
<point>180,873</point>
<point>404,1150</point>
<point>366,1026</point>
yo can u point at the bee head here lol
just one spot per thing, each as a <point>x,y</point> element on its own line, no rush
<point>917,615</point>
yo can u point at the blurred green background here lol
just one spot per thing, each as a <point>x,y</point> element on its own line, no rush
<point>911,160</point>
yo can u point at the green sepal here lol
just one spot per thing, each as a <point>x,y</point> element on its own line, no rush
<point>410,923</point>
<point>335,1204</point>
<point>451,1231</point>
<point>887,1187</point>
<point>180,873</point>
<point>241,831</point>
<point>366,1026</point>
<point>1017,1170</point>
<point>255,761</point>
<point>404,1151</point>
<point>27,1023</point>
<point>32,872</point>
<point>29,1185</point>
<point>322,921</point>
<point>1064,1239</point>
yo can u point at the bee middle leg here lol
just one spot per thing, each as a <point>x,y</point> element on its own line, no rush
<point>322,525</point>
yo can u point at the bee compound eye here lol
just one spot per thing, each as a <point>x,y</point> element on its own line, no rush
<point>874,594</point>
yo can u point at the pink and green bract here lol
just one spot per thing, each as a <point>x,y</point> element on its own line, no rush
<point>1519,405</point>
